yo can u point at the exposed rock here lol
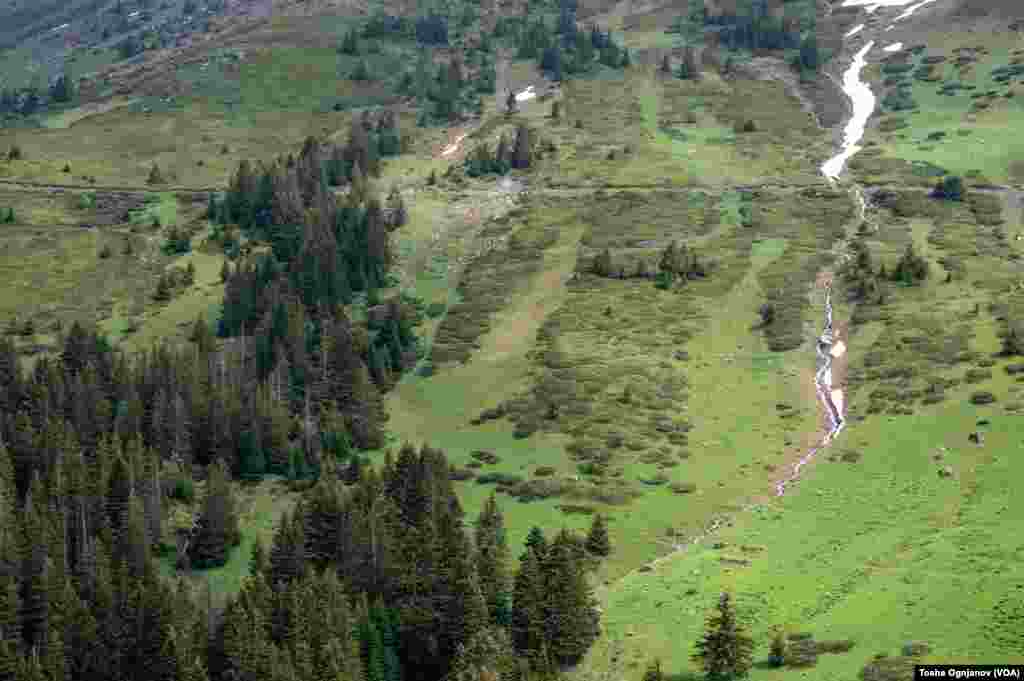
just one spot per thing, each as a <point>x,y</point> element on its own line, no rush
<point>946,472</point>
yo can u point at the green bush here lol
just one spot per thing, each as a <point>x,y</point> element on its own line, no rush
<point>683,487</point>
<point>183,490</point>
<point>977,375</point>
<point>838,646</point>
<point>982,397</point>
<point>435,310</point>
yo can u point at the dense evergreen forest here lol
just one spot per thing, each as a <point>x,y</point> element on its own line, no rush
<point>373,577</point>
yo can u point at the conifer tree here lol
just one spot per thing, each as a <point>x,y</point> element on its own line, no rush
<point>135,547</point>
<point>218,522</point>
<point>258,561</point>
<point>10,661</point>
<point>528,606</point>
<point>522,148</point>
<point>288,555</point>
<point>598,542</point>
<point>725,651</point>
<point>492,560</point>
<point>34,595</point>
<point>155,176</point>
<point>572,621</point>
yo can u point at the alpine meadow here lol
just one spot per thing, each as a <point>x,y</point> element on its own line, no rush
<point>518,340</point>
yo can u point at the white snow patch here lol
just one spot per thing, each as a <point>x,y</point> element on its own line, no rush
<point>913,8</point>
<point>526,94</point>
<point>854,31</point>
<point>61,27</point>
<point>895,47</point>
<point>863,100</point>
<point>134,14</point>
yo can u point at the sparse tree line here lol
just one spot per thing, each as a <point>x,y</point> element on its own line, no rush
<point>753,26</point>
<point>676,265</point>
<point>26,101</point>
<point>561,47</point>
<point>869,285</point>
<point>504,157</point>
<point>452,91</point>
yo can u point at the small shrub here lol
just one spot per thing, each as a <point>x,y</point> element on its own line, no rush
<point>105,252</point>
<point>659,479</point>
<point>474,464</point>
<point>885,668</point>
<point>802,652</point>
<point>486,456</point>
<point>838,646</point>
<point>435,310</point>
<point>683,487</point>
<point>544,471</point>
<point>982,397</point>
<point>66,169</point>
<point>977,375</point>
<point>14,153</point>
<point>183,490</point>
<point>916,649</point>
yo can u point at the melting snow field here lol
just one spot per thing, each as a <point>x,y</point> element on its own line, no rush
<point>863,100</point>
<point>854,31</point>
<point>895,47</point>
<point>526,94</point>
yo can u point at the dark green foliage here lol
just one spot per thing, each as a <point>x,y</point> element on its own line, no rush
<point>177,243</point>
<point>253,463</point>
<point>911,269</point>
<point>778,649</point>
<point>725,651</point>
<point>598,542</point>
<point>653,672</point>
<point>1013,342</point>
<point>155,176</point>
<point>554,620</point>
<point>218,523</point>
<point>950,188</point>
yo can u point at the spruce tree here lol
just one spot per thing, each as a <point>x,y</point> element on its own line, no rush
<point>492,561</point>
<point>598,542</point>
<point>34,594</point>
<point>218,523</point>
<point>119,493</point>
<point>725,651</point>
<point>529,607</point>
<point>572,623</point>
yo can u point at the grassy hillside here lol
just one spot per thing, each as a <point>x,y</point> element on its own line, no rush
<point>667,410</point>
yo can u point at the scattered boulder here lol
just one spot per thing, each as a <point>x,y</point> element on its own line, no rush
<point>977,438</point>
<point>946,472</point>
